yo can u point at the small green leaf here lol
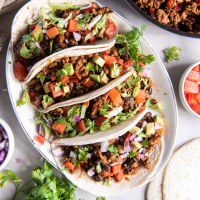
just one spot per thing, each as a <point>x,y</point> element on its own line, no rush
<point>98,169</point>
<point>41,77</point>
<point>172,53</point>
<point>132,154</point>
<point>13,176</point>
<point>113,149</point>
<point>145,143</point>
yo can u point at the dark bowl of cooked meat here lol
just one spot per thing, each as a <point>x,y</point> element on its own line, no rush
<point>178,16</point>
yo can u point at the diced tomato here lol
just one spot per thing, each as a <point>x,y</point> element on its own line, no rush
<point>80,125</point>
<point>120,176</point>
<point>69,166</point>
<point>192,99</point>
<point>40,139</point>
<point>196,108</point>
<point>152,10</point>
<point>20,71</point>
<point>141,97</point>
<point>87,103</point>
<point>60,128</point>
<point>141,64</point>
<point>193,76</point>
<point>111,30</point>
<point>120,62</point>
<point>99,120</point>
<point>116,168</point>
<point>65,80</point>
<point>32,95</point>
<point>36,32</point>
<point>52,32</point>
<point>110,60</point>
<point>73,79</point>
<point>92,39</point>
<point>198,97</point>
<point>128,64</point>
<point>87,82</point>
<point>196,68</point>
<point>78,76</point>
<point>141,108</point>
<point>72,26</point>
<point>170,3</point>
<point>54,92</point>
<point>115,96</point>
<point>190,87</point>
<point>107,174</point>
<point>106,52</point>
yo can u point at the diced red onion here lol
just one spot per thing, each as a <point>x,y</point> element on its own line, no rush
<point>144,124</point>
<point>58,152</point>
<point>91,172</point>
<point>67,41</point>
<point>138,139</point>
<point>89,155</point>
<point>123,155</point>
<point>80,16</point>
<point>132,137</point>
<point>4,134</point>
<point>76,118</point>
<point>41,130</point>
<point>77,36</point>
<point>113,164</point>
<point>141,150</point>
<point>104,146</point>
<point>141,156</point>
<point>72,155</point>
<point>38,45</point>
<point>3,145</point>
<point>1,128</point>
<point>51,138</point>
<point>127,147</point>
<point>2,155</point>
<point>157,126</point>
<point>85,7</point>
<point>144,150</point>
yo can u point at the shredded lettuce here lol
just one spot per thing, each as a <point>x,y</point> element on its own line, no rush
<point>64,6</point>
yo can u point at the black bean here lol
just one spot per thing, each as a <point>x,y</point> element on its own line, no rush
<point>105,168</point>
<point>86,167</point>
<point>96,162</point>
<point>97,178</point>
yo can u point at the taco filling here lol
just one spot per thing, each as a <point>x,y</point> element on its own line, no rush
<point>61,27</point>
<point>117,158</point>
<point>71,77</point>
<point>101,113</point>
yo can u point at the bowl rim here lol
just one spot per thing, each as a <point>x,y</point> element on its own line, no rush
<point>11,141</point>
<point>181,89</point>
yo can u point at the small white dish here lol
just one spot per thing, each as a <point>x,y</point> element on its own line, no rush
<point>11,143</point>
<point>181,90</point>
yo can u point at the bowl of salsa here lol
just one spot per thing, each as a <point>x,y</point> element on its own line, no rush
<point>189,89</point>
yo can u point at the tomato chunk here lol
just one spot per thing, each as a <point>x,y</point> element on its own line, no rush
<point>196,69</point>
<point>99,120</point>
<point>80,125</point>
<point>115,97</point>
<point>20,71</point>
<point>40,139</point>
<point>55,93</point>
<point>193,76</point>
<point>52,32</point>
<point>87,82</point>
<point>116,168</point>
<point>141,97</point>
<point>198,97</point>
<point>120,176</point>
<point>60,128</point>
<point>69,166</point>
<point>190,87</point>
<point>37,32</point>
<point>111,30</point>
<point>128,64</point>
<point>72,26</point>
<point>192,99</point>
<point>110,60</point>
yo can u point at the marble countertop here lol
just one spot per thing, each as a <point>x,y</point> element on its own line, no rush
<point>159,39</point>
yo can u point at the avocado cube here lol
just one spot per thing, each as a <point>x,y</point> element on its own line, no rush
<point>69,68</point>
<point>61,73</point>
<point>95,77</point>
<point>114,71</point>
<point>47,103</point>
<point>135,130</point>
<point>104,79</point>
<point>46,87</point>
<point>66,89</point>
<point>99,61</point>
<point>136,145</point>
<point>150,130</point>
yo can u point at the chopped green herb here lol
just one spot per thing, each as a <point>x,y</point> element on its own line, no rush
<point>106,181</point>
<point>132,154</point>
<point>98,169</point>
<point>151,104</point>
<point>105,125</point>
<point>82,154</point>
<point>113,149</point>
<point>41,77</point>
<point>100,198</point>
<point>145,143</point>
<point>172,53</point>
<point>84,20</point>
<point>58,86</point>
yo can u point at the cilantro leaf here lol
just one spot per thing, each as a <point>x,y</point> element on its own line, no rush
<point>58,86</point>
<point>145,143</point>
<point>41,77</point>
<point>13,177</point>
<point>132,154</point>
<point>98,169</point>
<point>172,53</point>
<point>113,149</point>
<point>100,198</point>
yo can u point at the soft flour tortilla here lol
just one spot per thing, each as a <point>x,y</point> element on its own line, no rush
<point>182,174</point>
<point>83,181</point>
<point>100,136</point>
<point>154,191</point>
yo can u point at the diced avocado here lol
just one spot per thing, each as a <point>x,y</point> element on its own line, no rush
<point>114,71</point>
<point>61,73</point>
<point>47,101</point>
<point>137,145</point>
<point>104,79</point>
<point>150,130</point>
<point>157,106</point>
<point>66,89</point>
<point>95,77</point>
<point>90,66</point>
<point>159,121</point>
<point>99,61</point>
<point>136,89</point>
<point>134,130</point>
<point>69,68</point>
<point>46,87</point>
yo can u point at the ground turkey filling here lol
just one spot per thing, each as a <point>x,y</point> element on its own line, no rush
<point>118,159</point>
<point>180,14</point>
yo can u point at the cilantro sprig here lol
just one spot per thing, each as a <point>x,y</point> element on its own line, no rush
<point>172,53</point>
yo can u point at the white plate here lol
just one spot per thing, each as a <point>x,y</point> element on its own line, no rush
<point>163,91</point>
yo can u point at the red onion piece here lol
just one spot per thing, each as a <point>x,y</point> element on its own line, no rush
<point>2,155</point>
<point>4,134</point>
<point>91,172</point>
<point>41,130</point>
<point>133,137</point>
<point>38,45</point>
<point>113,164</point>
<point>77,36</point>
<point>72,155</point>
<point>138,139</point>
<point>104,146</point>
<point>123,155</point>
<point>157,126</point>
<point>141,150</point>
<point>76,118</point>
<point>3,144</point>
<point>58,152</point>
<point>141,156</point>
<point>89,155</point>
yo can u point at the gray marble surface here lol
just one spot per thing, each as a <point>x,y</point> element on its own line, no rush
<point>159,39</point>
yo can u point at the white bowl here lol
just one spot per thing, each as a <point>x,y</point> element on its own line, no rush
<point>181,90</point>
<point>11,143</point>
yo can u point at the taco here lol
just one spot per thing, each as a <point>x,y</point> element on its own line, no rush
<point>106,115</point>
<point>42,28</point>
<point>114,166</point>
<point>76,76</point>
